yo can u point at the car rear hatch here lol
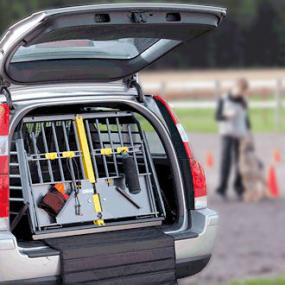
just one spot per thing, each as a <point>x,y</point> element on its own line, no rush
<point>98,43</point>
<point>99,161</point>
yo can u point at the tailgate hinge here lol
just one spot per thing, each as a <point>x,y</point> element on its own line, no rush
<point>4,90</point>
<point>131,82</point>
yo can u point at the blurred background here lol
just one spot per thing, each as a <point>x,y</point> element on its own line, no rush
<point>249,44</point>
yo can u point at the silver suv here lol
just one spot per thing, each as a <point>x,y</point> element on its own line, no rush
<point>84,60</point>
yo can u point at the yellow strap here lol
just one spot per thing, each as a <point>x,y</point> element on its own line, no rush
<point>86,157</point>
<point>68,154</point>
<point>122,149</point>
<point>99,222</point>
<point>110,181</point>
<point>51,155</point>
<point>106,151</point>
<point>97,203</point>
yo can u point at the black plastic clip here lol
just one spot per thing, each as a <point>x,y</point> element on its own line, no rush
<point>6,93</point>
<point>132,83</point>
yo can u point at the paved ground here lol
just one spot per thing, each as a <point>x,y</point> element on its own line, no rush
<point>250,243</point>
<point>251,236</point>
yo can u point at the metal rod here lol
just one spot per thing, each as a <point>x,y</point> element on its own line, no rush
<point>119,132</point>
<point>102,146</point>
<point>148,181</point>
<point>47,150</point>
<point>37,161</point>
<point>128,197</point>
<point>16,199</point>
<point>72,173</point>
<point>15,176</point>
<point>27,182</point>
<point>57,150</point>
<point>92,148</point>
<point>78,149</point>
<point>112,146</point>
<point>123,132</point>
<point>72,117</point>
<point>132,144</point>
<point>148,153</point>
<point>148,178</point>
<point>16,187</point>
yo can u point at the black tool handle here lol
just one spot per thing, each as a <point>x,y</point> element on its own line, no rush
<point>131,175</point>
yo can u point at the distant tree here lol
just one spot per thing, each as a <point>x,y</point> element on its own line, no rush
<point>262,39</point>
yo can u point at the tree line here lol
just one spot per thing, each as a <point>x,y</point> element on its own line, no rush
<point>252,35</point>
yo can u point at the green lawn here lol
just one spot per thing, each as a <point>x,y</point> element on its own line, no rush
<point>280,281</point>
<point>202,121</point>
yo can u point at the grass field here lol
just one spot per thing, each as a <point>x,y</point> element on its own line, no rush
<point>202,121</point>
<point>280,281</point>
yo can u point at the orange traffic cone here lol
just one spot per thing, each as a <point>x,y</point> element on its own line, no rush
<point>272,183</point>
<point>209,160</point>
<point>277,155</point>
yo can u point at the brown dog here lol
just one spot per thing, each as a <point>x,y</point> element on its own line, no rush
<point>252,172</point>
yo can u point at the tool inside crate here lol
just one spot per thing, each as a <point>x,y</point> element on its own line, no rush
<point>93,169</point>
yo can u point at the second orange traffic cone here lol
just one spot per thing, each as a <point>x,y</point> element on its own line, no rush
<point>209,160</point>
<point>277,155</point>
<point>272,183</point>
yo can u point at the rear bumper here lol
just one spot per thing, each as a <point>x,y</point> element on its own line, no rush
<point>182,270</point>
<point>194,247</point>
<point>193,250</point>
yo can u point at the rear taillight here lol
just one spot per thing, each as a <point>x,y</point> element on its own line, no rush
<point>200,185</point>
<point>4,161</point>
<point>198,175</point>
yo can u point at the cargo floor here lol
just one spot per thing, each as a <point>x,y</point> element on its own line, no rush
<point>140,256</point>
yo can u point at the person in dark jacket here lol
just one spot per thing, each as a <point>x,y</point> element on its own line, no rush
<point>232,117</point>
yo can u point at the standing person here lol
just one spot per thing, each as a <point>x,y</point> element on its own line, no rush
<point>232,117</point>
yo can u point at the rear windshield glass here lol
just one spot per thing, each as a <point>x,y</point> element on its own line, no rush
<point>125,48</point>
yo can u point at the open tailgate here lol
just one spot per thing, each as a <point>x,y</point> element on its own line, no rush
<point>98,42</point>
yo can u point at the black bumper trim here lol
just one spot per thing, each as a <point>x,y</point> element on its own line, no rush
<point>190,267</point>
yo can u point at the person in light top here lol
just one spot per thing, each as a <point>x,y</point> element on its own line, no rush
<point>233,120</point>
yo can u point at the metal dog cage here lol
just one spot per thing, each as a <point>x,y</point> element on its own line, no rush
<point>102,162</point>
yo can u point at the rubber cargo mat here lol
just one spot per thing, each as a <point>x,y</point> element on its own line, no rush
<point>132,257</point>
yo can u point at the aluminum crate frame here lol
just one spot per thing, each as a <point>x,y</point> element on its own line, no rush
<point>133,139</point>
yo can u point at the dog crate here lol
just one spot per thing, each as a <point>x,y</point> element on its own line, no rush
<point>90,170</point>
